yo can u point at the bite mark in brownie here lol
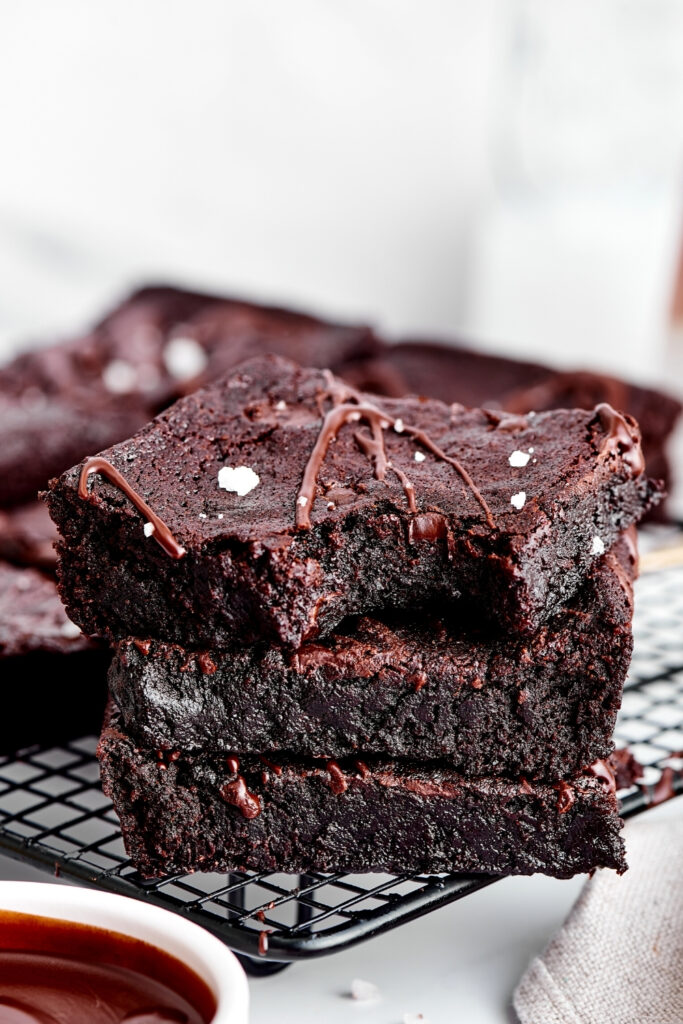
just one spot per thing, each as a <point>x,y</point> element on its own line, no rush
<point>249,572</point>
<point>185,813</point>
<point>401,687</point>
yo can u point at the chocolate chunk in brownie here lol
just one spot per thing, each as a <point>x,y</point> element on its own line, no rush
<point>182,812</point>
<point>458,374</point>
<point>541,706</point>
<point>28,536</point>
<point>53,677</point>
<point>277,502</point>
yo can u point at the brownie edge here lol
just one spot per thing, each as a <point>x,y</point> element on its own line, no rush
<point>402,686</point>
<point>185,813</point>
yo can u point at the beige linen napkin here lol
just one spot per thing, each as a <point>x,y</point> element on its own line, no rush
<point>618,958</point>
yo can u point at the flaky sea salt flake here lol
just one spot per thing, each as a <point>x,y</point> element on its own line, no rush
<point>518,500</point>
<point>184,358</point>
<point>420,456</point>
<point>598,546</point>
<point>148,529</point>
<point>119,377</point>
<point>519,458</point>
<point>238,479</point>
<point>399,426</point>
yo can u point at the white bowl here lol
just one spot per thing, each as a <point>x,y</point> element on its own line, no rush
<point>198,949</point>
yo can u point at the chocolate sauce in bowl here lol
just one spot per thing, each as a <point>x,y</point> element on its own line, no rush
<point>58,972</point>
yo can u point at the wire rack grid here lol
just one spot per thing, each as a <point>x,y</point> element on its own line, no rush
<point>54,815</point>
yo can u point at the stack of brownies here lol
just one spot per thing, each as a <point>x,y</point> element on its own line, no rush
<point>358,633</point>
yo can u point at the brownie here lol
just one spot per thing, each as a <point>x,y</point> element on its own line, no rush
<point>184,812</point>
<point>40,436</point>
<point>408,688</point>
<point>28,536</point>
<point>53,677</point>
<point>91,391</point>
<point>294,547</point>
<point>458,374</point>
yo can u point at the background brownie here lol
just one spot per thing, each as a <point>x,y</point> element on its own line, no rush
<point>28,536</point>
<point>67,400</point>
<point>457,374</point>
<point>203,813</point>
<point>403,688</point>
<point>53,677</point>
<point>248,570</point>
<point>40,436</point>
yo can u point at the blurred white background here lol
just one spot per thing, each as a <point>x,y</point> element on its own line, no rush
<point>511,170</point>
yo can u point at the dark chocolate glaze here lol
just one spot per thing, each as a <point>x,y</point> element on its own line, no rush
<point>619,436</point>
<point>663,789</point>
<point>350,406</point>
<point>602,770</point>
<point>162,534</point>
<point>565,796</point>
<point>338,781</point>
<point>237,794</point>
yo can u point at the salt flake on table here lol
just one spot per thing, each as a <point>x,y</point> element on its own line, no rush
<point>239,479</point>
<point>518,499</point>
<point>364,991</point>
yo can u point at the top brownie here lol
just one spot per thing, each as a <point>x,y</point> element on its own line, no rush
<point>283,501</point>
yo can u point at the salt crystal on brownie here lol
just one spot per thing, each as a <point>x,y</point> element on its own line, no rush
<point>519,499</point>
<point>240,479</point>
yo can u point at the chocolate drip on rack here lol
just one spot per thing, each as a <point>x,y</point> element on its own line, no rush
<point>161,533</point>
<point>349,406</point>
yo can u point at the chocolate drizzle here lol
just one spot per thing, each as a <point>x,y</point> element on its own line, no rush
<point>565,796</point>
<point>206,663</point>
<point>161,533</point>
<point>349,406</point>
<point>271,764</point>
<point>620,438</point>
<point>237,794</point>
<point>664,788</point>
<point>602,771</point>
<point>338,781</point>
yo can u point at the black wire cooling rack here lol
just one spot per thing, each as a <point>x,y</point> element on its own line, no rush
<point>54,815</point>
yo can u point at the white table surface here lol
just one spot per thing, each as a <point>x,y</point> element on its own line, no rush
<point>458,965</point>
